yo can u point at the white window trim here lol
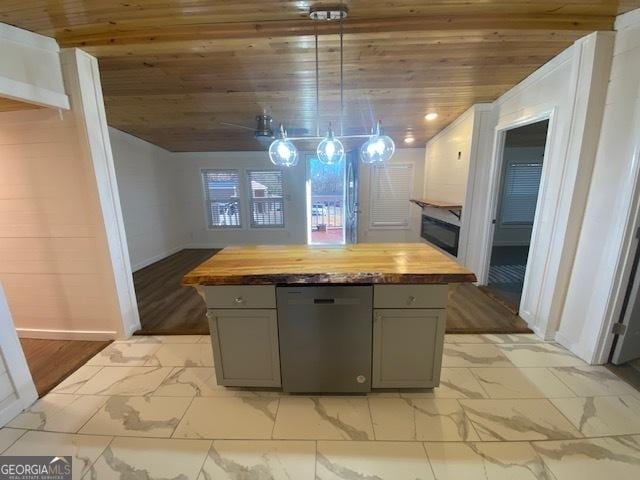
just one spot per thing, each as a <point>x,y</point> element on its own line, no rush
<point>205,201</point>
<point>249,196</point>
<point>373,226</point>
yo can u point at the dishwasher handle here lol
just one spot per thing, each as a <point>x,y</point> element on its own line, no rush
<point>324,301</point>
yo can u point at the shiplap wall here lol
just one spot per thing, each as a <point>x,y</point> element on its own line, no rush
<point>596,288</point>
<point>151,194</point>
<point>30,68</point>
<point>52,258</point>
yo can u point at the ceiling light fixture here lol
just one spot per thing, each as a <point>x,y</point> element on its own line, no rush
<point>429,117</point>
<point>330,150</point>
<point>282,152</point>
<point>379,147</point>
<point>409,139</point>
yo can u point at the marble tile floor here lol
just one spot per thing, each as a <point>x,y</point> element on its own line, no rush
<point>509,407</point>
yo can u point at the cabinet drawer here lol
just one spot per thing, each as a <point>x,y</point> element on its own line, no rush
<point>410,296</point>
<point>240,296</point>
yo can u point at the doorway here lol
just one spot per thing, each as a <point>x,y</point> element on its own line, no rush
<point>332,201</point>
<point>520,174</point>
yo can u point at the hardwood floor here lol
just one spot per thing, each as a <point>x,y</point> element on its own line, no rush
<point>472,311</point>
<point>51,361</point>
<point>166,307</point>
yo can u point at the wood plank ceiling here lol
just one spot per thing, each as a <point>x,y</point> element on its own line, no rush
<point>172,70</point>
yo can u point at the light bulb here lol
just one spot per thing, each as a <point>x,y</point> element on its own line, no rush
<point>330,150</point>
<point>379,147</point>
<point>282,152</point>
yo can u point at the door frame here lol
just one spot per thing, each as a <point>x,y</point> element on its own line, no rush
<point>16,365</point>
<point>630,193</point>
<point>495,181</point>
<point>307,189</point>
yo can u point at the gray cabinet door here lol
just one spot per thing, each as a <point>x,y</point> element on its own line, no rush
<point>407,347</point>
<point>245,347</point>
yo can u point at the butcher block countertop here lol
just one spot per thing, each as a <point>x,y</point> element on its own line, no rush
<point>389,263</point>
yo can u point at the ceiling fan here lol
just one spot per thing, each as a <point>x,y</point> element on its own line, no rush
<point>263,131</point>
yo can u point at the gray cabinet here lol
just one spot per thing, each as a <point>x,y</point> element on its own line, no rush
<point>245,347</point>
<point>407,347</point>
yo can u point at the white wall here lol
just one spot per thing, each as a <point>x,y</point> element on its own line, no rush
<point>189,177</point>
<point>602,255</point>
<point>366,233</point>
<point>571,88</point>
<point>153,204</point>
<point>30,68</point>
<point>447,161</point>
<point>446,174</point>
<point>63,263</point>
<point>156,227</point>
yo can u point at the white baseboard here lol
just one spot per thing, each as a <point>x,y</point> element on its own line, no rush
<point>66,334</point>
<point>575,348</point>
<point>207,245</point>
<point>10,411</point>
<point>156,258</point>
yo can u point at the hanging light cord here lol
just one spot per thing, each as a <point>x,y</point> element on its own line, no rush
<point>341,74</point>
<point>315,30</point>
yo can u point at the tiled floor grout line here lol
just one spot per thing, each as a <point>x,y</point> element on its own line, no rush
<point>565,417</point>
<point>480,382</point>
<point>466,416</point>
<point>566,384</point>
<point>16,439</point>
<point>426,454</point>
<point>193,399</point>
<point>204,461</point>
<point>373,426</point>
<point>108,445</point>
<point>275,419</point>
<point>92,416</point>
<point>249,439</point>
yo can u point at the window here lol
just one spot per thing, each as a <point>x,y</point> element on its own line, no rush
<point>265,198</point>
<point>521,184</point>
<point>390,192</point>
<point>222,194</point>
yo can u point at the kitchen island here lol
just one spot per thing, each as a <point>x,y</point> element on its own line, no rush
<point>316,318</point>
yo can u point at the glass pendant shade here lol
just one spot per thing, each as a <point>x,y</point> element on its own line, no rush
<point>282,152</point>
<point>330,150</point>
<point>379,147</point>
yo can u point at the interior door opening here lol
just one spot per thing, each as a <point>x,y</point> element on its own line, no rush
<point>520,174</point>
<point>325,202</point>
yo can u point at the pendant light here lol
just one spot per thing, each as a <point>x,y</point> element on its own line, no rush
<point>379,147</point>
<point>330,150</point>
<point>282,152</point>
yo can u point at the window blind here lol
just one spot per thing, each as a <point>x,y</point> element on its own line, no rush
<point>222,196</point>
<point>390,193</point>
<point>266,198</point>
<point>521,184</point>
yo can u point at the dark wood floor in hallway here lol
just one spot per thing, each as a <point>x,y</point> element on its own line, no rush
<point>51,361</point>
<point>168,308</point>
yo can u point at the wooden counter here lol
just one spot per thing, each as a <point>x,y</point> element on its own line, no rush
<point>370,263</point>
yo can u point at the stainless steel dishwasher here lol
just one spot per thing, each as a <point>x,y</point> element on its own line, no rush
<point>325,338</point>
